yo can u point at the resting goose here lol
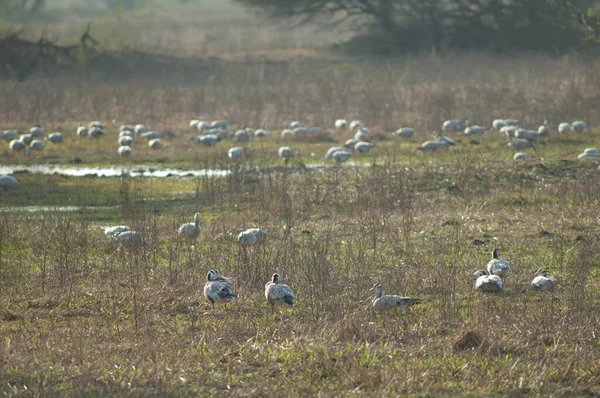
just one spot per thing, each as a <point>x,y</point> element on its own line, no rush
<point>542,281</point>
<point>278,293</point>
<point>218,289</point>
<point>498,266</point>
<point>390,302</point>
<point>487,283</point>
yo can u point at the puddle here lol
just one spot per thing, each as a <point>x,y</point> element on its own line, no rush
<point>117,171</point>
<point>36,209</point>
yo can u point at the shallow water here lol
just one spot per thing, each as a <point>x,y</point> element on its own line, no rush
<point>37,209</point>
<point>112,171</point>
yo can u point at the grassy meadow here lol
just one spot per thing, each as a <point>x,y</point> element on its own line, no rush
<point>80,316</point>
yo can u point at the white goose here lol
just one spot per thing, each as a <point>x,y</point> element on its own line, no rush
<point>390,302</point>
<point>125,151</point>
<point>579,126</point>
<point>235,152</point>
<point>341,156</point>
<point>279,293</point>
<point>9,135</point>
<point>520,156</point>
<point>519,143</point>
<point>331,151</point>
<point>487,283</point>
<point>405,132</point>
<point>363,147</point>
<point>498,266</point>
<point>218,290</point>
<point>129,239</point>
<point>286,153</point>
<point>18,146</point>
<point>56,138</point>
<point>341,124</point>
<point>114,231</point>
<point>564,128</point>
<point>542,281</point>
<point>253,236</point>
<point>190,231</point>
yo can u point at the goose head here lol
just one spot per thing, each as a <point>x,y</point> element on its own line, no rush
<point>197,217</point>
<point>479,274</point>
<point>212,274</point>
<point>495,252</point>
<point>377,288</point>
<point>275,278</point>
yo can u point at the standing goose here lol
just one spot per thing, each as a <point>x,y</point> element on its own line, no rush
<point>498,266</point>
<point>542,281</point>
<point>278,293</point>
<point>190,231</point>
<point>391,302</point>
<point>218,289</point>
<point>487,283</point>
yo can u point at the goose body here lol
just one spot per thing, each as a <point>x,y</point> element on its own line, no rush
<point>579,126</point>
<point>220,124</point>
<point>151,135</point>
<point>139,129</point>
<point>9,135</point>
<point>129,239</point>
<point>218,290</point>
<point>341,156</point>
<point>56,138</point>
<point>432,146</point>
<point>125,151</point>
<point>405,132</point>
<point>487,283</point>
<point>8,182</point>
<point>331,151</point>
<point>564,128</point>
<point>207,140</point>
<point>252,236</point>
<point>355,124</point>
<point>452,125</point>
<point>587,155</point>
<point>341,124</point>
<point>383,302</point>
<point>474,130</point>
<point>362,135</point>
<point>363,147</point>
<point>286,153</point>
<point>520,156</point>
<point>17,146</point>
<point>295,124</point>
<point>96,125</point>
<point>126,127</point>
<point>519,143</point>
<point>37,145</point>
<point>498,266</point>
<point>95,132</point>
<point>114,231</point>
<point>542,281</point>
<point>543,130</point>
<point>155,143</point>
<point>36,131</point>
<point>349,144</point>
<point>278,293</point>
<point>509,131</point>
<point>235,152</point>
<point>242,135</point>
<point>530,135</point>
<point>26,138</point>
<point>125,140</point>
<point>190,231</point>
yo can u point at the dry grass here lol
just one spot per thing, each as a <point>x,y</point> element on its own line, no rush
<point>79,317</point>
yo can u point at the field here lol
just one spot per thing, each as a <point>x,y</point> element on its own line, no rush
<point>80,316</point>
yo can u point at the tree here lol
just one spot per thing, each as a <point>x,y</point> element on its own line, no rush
<point>414,25</point>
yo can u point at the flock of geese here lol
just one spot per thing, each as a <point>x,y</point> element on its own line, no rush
<point>219,290</point>
<point>518,138</point>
